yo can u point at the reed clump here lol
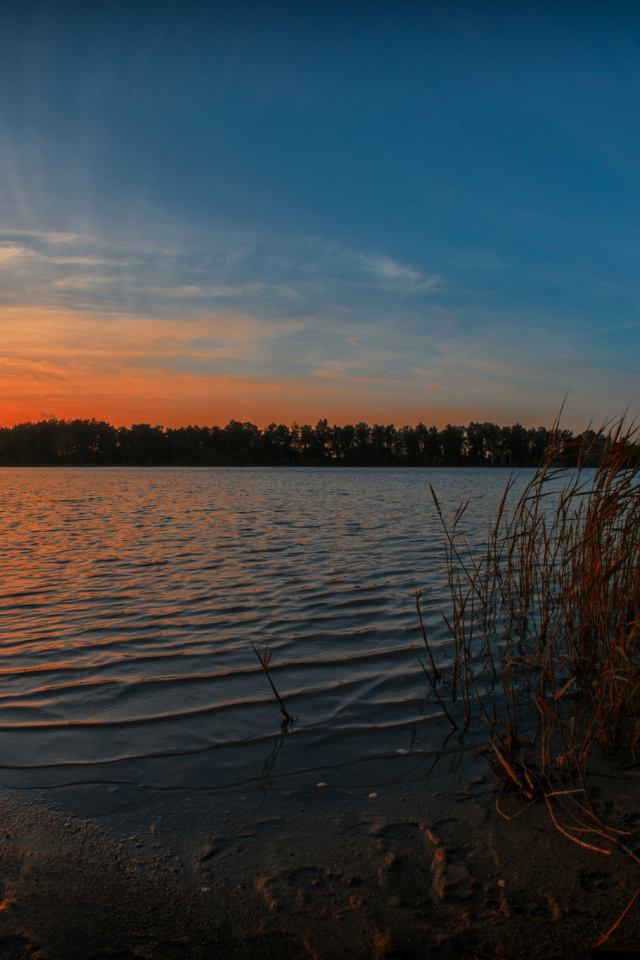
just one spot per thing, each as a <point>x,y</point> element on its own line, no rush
<point>545,625</point>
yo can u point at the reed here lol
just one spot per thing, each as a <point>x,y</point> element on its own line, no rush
<point>545,626</point>
<point>265,659</point>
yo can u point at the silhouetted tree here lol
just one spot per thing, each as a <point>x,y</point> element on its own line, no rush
<point>95,442</point>
<point>452,445</point>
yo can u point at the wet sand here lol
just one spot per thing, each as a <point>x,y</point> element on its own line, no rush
<point>314,872</point>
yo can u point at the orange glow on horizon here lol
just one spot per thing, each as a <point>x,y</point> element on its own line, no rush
<point>72,364</point>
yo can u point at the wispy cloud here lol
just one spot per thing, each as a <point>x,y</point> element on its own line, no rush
<point>9,250</point>
<point>245,325</point>
<point>210,370</point>
<point>265,274</point>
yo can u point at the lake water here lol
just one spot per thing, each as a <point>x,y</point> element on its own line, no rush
<point>130,597</point>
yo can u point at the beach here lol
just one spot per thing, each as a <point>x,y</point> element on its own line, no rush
<point>425,869</point>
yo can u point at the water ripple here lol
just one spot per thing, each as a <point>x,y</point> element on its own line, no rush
<point>130,597</point>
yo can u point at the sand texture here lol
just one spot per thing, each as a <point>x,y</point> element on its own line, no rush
<point>315,873</point>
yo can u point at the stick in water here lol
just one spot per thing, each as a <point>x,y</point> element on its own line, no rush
<point>264,659</point>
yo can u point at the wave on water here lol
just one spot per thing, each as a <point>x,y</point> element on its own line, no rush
<point>130,597</point>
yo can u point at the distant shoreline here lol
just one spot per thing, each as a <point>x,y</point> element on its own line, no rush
<point>94,443</point>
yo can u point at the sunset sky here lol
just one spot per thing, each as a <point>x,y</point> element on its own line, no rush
<point>283,211</point>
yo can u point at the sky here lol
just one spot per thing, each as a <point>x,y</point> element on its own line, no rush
<point>381,211</point>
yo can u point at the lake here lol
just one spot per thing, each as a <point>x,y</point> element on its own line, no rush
<point>130,598</point>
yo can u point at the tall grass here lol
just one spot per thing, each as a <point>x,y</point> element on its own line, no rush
<point>545,625</point>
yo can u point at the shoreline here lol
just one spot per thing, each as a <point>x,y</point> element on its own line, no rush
<point>422,870</point>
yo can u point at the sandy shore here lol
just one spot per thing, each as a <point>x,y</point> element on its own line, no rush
<point>315,872</point>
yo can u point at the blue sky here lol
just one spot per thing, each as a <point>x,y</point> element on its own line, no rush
<point>284,211</point>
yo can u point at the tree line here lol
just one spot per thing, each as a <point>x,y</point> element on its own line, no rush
<point>54,442</point>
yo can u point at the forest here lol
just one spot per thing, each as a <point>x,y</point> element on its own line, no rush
<point>55,442</point>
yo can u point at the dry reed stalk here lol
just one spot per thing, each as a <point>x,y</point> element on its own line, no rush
<point>552,608</point>
<point>265,659</point>
<point>437,673</point>
<point>601,942</point>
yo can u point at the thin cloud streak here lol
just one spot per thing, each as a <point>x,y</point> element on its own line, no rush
<point>262,273</point>
<point>230,200</point>
<point>131,368</point>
